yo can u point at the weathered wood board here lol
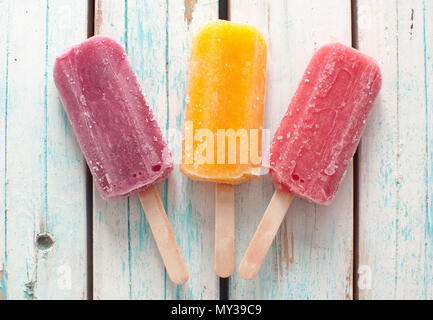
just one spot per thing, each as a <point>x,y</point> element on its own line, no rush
<point>43,186</point>
<point>43,175</point>
<point>127,265</point>
<point>4,11</point>
<point>312,255</point>
<point>191,204</point>
<point>395,156</point>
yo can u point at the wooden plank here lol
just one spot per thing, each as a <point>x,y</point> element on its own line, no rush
<point>42,163</point>
<point>191,204</point>
<point>395,213</point>
<point>154,34</point>
<point>4,10</point>
<point>312,254</point>
<point>127,264</point>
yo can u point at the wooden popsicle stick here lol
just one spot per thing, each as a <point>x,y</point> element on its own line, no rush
<point>164,236</point>
<point>224,230</point>
<point>265,234</point>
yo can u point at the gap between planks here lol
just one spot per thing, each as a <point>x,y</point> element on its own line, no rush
<point>224,283</point>
<point>355,256</point>
<point>224,287</point>
<point>89,179</point>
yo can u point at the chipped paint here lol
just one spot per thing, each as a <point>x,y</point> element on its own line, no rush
<point>98,18</point>
<point>54,201</point>
<point>411,24</point>
<point>189,9</point>
<point>283,257</point>
<point>292,246</point>
<point>3,278</point>
<point>29,291</point>
<point>285,246</point>
<point>164,42</point>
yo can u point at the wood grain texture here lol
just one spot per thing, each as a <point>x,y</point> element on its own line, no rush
<point>127,264</point>
<point>163,235</point>
<point>4,21</point>
<point>191,204</point>
<point>311,257</point>
<point>428,82</point>
<point>265,234</point>
<point>224,229</point>
<point>395,159</point>
<point>43,173</point>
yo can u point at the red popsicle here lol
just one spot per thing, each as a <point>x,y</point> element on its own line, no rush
<point>317,138</point>
<point>118,134</point>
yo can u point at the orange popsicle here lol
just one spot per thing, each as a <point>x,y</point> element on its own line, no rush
<point>224,119</point>
<point>226,91</point>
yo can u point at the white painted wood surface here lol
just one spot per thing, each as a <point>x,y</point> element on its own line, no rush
<point>127,265</point>
<point>191,204</point>
<point>43,177</point>
<point>395,185</point>
<point>312,254</point>
<point>125,258</point>
<point>4,11</point>
<point>43,173</point>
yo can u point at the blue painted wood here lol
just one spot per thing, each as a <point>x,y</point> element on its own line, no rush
<point>427,14</point>
<point>395,187</point>
<point>111,249</point>
<point>121,234</point>
<point>156,36</point>
<point>312,255</point>
<point>43,174</point>
<point>191,204</point>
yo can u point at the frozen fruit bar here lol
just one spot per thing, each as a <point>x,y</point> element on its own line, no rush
<point>115,127</point>
<point>321,129</point>
<point>317,138</point>
<point>224,113</point>
<point>118,134</point>
<point>226,91</point>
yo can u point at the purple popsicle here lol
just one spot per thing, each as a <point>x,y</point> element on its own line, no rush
<point>115,127</point>
<point>118,134</point>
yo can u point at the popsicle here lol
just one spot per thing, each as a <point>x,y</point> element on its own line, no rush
<point>317,138</point>
<point>225,105</point>
<point>117,133</point>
